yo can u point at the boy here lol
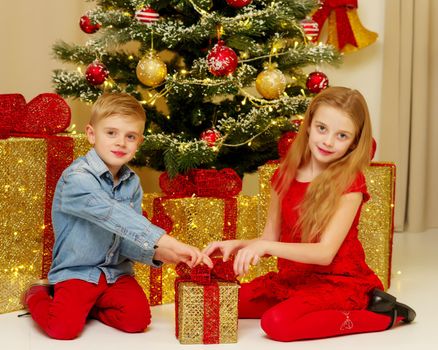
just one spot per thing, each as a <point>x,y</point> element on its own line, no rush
<point>99,230</point>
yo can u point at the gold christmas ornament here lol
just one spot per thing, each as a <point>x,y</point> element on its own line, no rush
<point>271,83</point>
<point>151,70</point>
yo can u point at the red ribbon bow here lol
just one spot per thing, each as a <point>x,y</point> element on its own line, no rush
<point>202,274</point>
<point>46,114</point>
<point>344,30</point>
<point>203,183</point>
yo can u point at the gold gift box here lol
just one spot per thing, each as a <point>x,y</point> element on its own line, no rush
<point>191,308</point>
<point>22,202</point>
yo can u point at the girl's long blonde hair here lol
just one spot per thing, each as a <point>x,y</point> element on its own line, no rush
<point>323,194</point>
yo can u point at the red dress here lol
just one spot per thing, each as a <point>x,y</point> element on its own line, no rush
<point>343,285</point>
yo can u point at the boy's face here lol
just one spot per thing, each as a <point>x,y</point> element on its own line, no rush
<point>116,140</point>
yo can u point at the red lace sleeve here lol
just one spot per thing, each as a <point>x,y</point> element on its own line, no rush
<point>359,185</point>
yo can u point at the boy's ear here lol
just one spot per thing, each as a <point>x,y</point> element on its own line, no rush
<point>89,131</point>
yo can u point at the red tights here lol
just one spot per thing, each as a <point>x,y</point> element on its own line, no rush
<point>122,305</point>
<point>293,319</point>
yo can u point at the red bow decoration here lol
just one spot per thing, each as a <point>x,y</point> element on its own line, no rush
<point>203,183</point>
<point>46,114</point>
<point>344,30</point>
<point>202,274</point>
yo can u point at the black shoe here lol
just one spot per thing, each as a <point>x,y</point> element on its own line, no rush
<point>384,303</point>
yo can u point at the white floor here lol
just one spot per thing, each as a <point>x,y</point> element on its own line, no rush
<point>414,281</point>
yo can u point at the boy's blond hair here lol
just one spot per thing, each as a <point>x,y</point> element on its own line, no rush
<point>116,103</point>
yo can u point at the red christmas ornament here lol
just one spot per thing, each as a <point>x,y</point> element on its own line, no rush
<point>96,73</point>
<point>297,123</point>
<point>238,3</point>
<point>147,15</point>
<point>88,26</point>
<point>316,82</point>
<point>221,60</point>
<point>210,136</point>
<point>310,28</point>
<point>284,142</point>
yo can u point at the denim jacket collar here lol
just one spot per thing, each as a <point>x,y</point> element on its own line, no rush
<point>101,168</point>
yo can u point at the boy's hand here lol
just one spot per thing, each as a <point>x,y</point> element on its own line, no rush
<point>182,252</point>
<point>166,256</point>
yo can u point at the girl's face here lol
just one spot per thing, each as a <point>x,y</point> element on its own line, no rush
<point>331,134</point>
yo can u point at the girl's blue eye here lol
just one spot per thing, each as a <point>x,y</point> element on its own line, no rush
<point>321,127</point>
<point>132,137</point>
<point>343,136</point>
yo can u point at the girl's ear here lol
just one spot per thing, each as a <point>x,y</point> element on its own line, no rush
<point>91,136</point>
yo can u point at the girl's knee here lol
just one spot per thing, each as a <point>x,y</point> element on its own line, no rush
<point>270,324</point>
<point>277,326</point>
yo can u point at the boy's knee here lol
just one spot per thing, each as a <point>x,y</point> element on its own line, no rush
<point>136,317</point>
<point>64,331</point>
<point>136,323</point>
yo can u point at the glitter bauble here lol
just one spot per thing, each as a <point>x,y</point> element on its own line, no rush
<point>316,82</point>
<point>210,136</point>
<point>88,26</point>
<point>96,73</point>
<point>221,60</point>
<point>147,15</point>
<point>271,83</point>
<point>238,3</point>
<point>151,70</point>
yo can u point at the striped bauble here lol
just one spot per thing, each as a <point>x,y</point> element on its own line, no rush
<point>147,15</point>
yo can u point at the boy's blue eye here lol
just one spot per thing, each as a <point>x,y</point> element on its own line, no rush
<point>132,137</point>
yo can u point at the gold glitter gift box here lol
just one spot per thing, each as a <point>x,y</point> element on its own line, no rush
<point>206,314</point>
<point>206,303</point>
<point>25,192</point>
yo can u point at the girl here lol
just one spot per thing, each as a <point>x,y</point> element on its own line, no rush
<point>323,287</point>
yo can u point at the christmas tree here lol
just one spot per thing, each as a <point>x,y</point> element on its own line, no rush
<point>227,76</point>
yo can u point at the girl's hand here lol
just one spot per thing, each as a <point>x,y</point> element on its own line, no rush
<point>226,248</point>
<point>192,256</point>
<point>250,255</point>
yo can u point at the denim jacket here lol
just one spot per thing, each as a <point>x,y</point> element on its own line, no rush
<point>98,226</point>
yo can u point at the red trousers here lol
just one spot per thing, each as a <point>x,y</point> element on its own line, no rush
<point>294,319</point>
<point>122,305</point>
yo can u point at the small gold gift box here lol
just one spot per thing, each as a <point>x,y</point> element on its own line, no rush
<point>206,314</point>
